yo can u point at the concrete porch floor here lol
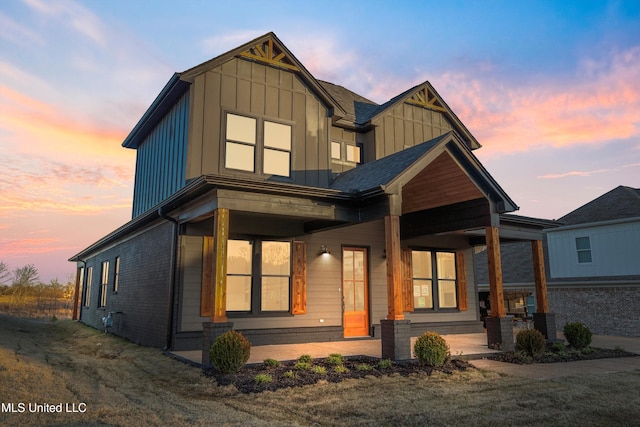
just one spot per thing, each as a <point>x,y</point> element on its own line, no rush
<point>468,346</point>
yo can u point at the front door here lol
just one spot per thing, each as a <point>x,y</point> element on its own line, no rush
<point>355,292</point>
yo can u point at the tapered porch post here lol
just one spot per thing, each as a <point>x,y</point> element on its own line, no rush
<point>499,325</point>
<point>396,331</point>
<point>543,320</point>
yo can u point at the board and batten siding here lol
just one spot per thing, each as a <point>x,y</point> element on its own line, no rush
<point>160,159</point>
<point>405,126</point>
<point>615,251</point>
<point>244,87</point>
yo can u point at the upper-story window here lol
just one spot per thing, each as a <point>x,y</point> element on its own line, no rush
<point>583,247</point>
<point>345,152</point>
<point>257,145</point>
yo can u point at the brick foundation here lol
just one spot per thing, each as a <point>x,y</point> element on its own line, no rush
<point>500,333</point>
<point>396,339</point>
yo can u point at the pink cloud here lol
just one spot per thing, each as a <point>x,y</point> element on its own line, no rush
<point>598,105</point>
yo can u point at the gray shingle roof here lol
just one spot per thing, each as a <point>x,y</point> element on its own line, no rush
<point>619,203</point>
<point>357,107</point>
<point>382,171</point>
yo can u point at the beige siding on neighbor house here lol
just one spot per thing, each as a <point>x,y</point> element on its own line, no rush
<point>405,126</point>
<point>245,87</point>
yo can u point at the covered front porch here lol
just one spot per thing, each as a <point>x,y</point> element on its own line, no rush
<point>467,346</point>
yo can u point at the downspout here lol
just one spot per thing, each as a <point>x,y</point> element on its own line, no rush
<point>172,273</point>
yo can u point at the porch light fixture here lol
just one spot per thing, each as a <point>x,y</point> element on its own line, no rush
<point>324,250</point>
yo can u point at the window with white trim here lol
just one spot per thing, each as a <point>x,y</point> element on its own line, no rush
<point>434,279</point>
<point>583,249</point>
<point>258,145</point>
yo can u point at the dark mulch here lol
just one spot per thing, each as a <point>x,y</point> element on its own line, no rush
<point>245,380</point>
<point>567,354</point>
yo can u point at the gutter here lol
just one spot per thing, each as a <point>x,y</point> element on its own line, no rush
<point>172,273</point>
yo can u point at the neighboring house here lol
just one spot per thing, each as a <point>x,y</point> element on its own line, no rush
<point>295,210</point>
<point>593,260</point>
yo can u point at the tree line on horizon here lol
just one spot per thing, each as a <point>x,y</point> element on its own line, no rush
<point>23,294</point>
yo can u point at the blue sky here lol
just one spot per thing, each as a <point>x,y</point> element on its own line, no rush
<point>549,88</point>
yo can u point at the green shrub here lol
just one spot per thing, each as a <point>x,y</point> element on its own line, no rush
<point>531,342</point>
<point>431,349</point>
<point>302,366</point>
<point>319,370</point>
<point>335,359</point>
<point>289,374</point>
<point>557,347</point>
<point>384,364</point>
<point>229,352</point>
<point>272,363</point>
<point>340,369</point>
<point>577,334</point>
<point>363,367</point>
<point>305,358</point>
<point>262,378</point>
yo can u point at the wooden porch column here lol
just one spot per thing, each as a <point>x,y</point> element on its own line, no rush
<point>542,302</point>
<point>219,276</point>
<point>76,294</point>
<point>394,267</point>
<point>496,292</point>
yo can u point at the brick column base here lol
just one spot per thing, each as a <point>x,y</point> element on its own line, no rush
<point>211,331</point>
<point>396,339</point>
<point>546,324</point>
<point>500,333</point>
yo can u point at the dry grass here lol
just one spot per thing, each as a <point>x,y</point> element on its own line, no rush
<point>124,384</point>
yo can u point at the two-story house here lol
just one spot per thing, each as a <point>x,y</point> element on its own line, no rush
<point>295,210</point>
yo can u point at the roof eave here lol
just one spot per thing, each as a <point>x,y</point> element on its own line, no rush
<point>174,88</point>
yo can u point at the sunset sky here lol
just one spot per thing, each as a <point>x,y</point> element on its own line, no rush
<point>551,89</point>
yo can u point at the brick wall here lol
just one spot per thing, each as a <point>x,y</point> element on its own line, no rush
<point>611,310</point>
<point>143,291</point>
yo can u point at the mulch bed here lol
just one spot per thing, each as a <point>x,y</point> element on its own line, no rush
<point>566,355</point>
<point>245,380</point>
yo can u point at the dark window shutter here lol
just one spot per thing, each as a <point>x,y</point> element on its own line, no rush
<point>206,294</point>
<point>461,274</point>
<point>407,281</point>
<point>299,278</point>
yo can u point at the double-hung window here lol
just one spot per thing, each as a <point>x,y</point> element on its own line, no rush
<point>258,276</point>
<point>583,248</point>
<point>116,275</point>
<point>104,282</point>
<point>87,287</point>
<point>434,279</point>
<point>258,145</point>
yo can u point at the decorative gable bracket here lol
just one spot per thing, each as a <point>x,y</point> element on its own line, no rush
<point>424,98</point>
<point>270,54</point>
